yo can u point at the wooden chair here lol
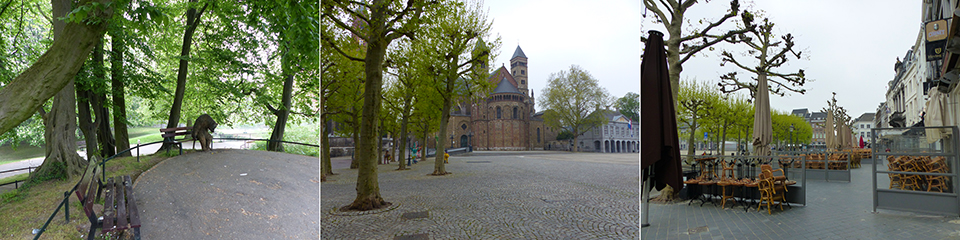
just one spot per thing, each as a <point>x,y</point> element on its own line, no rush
<point>893,164</point>
<point>937,165</point>
<point>911,181</point>
<point>772,188</point>
<point>728,178</point>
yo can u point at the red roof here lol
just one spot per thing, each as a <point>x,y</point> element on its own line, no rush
<point>501,73</point>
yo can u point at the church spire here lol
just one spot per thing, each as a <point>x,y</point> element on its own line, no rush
<point>518,68</point>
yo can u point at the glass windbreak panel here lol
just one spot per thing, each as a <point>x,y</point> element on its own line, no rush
<point>913,140</point>
<point>907,165</point>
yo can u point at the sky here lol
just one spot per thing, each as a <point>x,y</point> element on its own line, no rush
<point>852,47</point>
<point>603,38</point>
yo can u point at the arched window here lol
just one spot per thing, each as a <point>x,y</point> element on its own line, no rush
<point>498,112</point>
<point>514,112</point>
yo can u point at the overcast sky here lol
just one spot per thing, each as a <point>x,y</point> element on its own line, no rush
<point>602,37</point>
<point>852,47</point>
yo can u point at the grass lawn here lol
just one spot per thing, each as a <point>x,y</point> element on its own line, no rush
<point>29,207</point>
<point>23,152</point>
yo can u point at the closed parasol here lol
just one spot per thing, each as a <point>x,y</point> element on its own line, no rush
<point>762,123</point>
<point>660,151</point>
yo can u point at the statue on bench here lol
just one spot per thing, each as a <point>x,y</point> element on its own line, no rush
<point>200,134</point>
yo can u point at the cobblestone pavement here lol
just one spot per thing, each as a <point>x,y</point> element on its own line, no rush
<point>834,210</point>
<point>535,196</point>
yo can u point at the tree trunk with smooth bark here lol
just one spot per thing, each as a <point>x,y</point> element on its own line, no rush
<point>368,188</point>
<point>117,83</point>
<point>56,69</point>
<point>98,98</point>
<point>193,20</point>
<point>327,167</point>
<point>53,71</point>
<point>282,114</point>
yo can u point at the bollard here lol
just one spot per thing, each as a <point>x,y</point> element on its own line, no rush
<point>138,150</point>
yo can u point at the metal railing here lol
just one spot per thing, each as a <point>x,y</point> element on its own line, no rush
<point>66,195</point>
<point>16,183</point>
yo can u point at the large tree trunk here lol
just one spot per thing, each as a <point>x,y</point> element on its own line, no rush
<point>368,188</point>
<point>402,152</point>
<point>423,153</point>
<point>723,140</point>
<point>355,158</point>
<point>119,104</point>
<point>86,123</point>
<point>98,97</point>
<point>327,167</point>
<point>673,53</point>
<point>53,71</point>
<point>439,168</point>
<point>71,46</point>
<point>282,114</point>
<point>576,147</point>
<point>193,20</point>
<point>691,148</point>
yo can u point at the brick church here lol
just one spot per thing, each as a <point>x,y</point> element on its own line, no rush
<point>506,120</point>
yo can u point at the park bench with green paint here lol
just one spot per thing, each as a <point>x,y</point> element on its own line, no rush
<point>119,206</point>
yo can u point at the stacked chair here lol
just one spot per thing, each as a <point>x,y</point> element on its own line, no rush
<point>937,165</point>
<point>773,188</point>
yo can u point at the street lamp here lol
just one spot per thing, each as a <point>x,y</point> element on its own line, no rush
<point>792,146</point>
<point>470,141</point>
<point>451,140</point>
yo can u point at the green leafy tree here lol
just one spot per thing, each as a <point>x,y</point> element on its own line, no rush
<point>629,105</point>
<point>447,45</point>
<point>381,22</point>
<point>570,98</point>
<point>692,106</point>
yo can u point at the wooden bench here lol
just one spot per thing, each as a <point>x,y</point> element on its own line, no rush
<point>170,134</point>
<point>119,206</point>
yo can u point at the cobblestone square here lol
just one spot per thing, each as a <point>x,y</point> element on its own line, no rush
<point>496,195</point>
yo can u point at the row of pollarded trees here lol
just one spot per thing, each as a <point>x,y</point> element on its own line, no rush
<point>703,109</point>
<point>387,64</point>
<point>238,61</point>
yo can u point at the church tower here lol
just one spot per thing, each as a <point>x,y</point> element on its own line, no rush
<point>518,68</point>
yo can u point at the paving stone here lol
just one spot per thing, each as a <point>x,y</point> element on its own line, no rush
<point>536,196</point>
<point>834,210</point>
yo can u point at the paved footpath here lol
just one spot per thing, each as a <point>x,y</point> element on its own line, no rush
<point>230,194</point>
<point>834,210</point>
<point>532,195</point>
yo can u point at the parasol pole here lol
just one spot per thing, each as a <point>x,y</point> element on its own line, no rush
<point>645,199</point>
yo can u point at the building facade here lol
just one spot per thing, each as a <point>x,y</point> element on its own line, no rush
<point>506,119</point>
<point>617,135</point>
<point>861,128</point>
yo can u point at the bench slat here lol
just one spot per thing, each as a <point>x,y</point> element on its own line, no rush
<point>109,208</point>
<point>88,201</point>
<point>166,135</point>
<point>131,203</point>
<point>175,129</point>
<point>121,205</point>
